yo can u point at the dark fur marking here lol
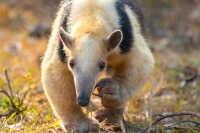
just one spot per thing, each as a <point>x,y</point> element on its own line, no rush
<point>61,51</point>
<point>140,17</point>
<point>126,27</point>
<point>66,13</point>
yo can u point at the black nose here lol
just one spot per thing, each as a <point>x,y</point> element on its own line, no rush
<point>82,101</point>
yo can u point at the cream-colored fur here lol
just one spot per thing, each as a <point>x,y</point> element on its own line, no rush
<point>89,23</point>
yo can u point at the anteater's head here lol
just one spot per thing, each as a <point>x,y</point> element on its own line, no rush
<point>87,58</point>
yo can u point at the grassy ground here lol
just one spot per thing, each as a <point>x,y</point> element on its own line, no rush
<point>20,54</point>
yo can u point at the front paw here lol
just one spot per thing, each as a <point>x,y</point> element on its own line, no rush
<point>110,93</point>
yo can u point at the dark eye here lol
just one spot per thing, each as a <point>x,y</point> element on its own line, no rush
<point>72,63</point>
<point>102,65</point>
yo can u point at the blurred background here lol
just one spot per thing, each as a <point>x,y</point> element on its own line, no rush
<point>173,34</point>
<point>171,22</point>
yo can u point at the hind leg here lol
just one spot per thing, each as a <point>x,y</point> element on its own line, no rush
<point>109,116</point>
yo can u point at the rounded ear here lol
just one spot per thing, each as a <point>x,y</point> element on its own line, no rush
<point>113,40</point>
<point>65,38</point>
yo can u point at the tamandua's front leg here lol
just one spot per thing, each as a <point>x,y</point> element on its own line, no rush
<point>62,97</point>
<point>111,99</point>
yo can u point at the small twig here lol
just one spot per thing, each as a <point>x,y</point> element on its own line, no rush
<point>180,128</point>
<point>177,129</point>
<point>15,103</point>
<point>179,114</point>
<point>22,100</point>
<point>185,121</point>
<point>123,126</point>
<point>8,83</point>
<point>150,106</point>
<point>90,119</point>
<point>14,107</point>
<point>173,115</point>
<point>10,99</point>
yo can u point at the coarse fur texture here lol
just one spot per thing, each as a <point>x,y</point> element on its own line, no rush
<point>126,27</point>
<point>94,43</point>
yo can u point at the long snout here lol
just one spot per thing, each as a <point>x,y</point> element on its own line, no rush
<point>84,88</point>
